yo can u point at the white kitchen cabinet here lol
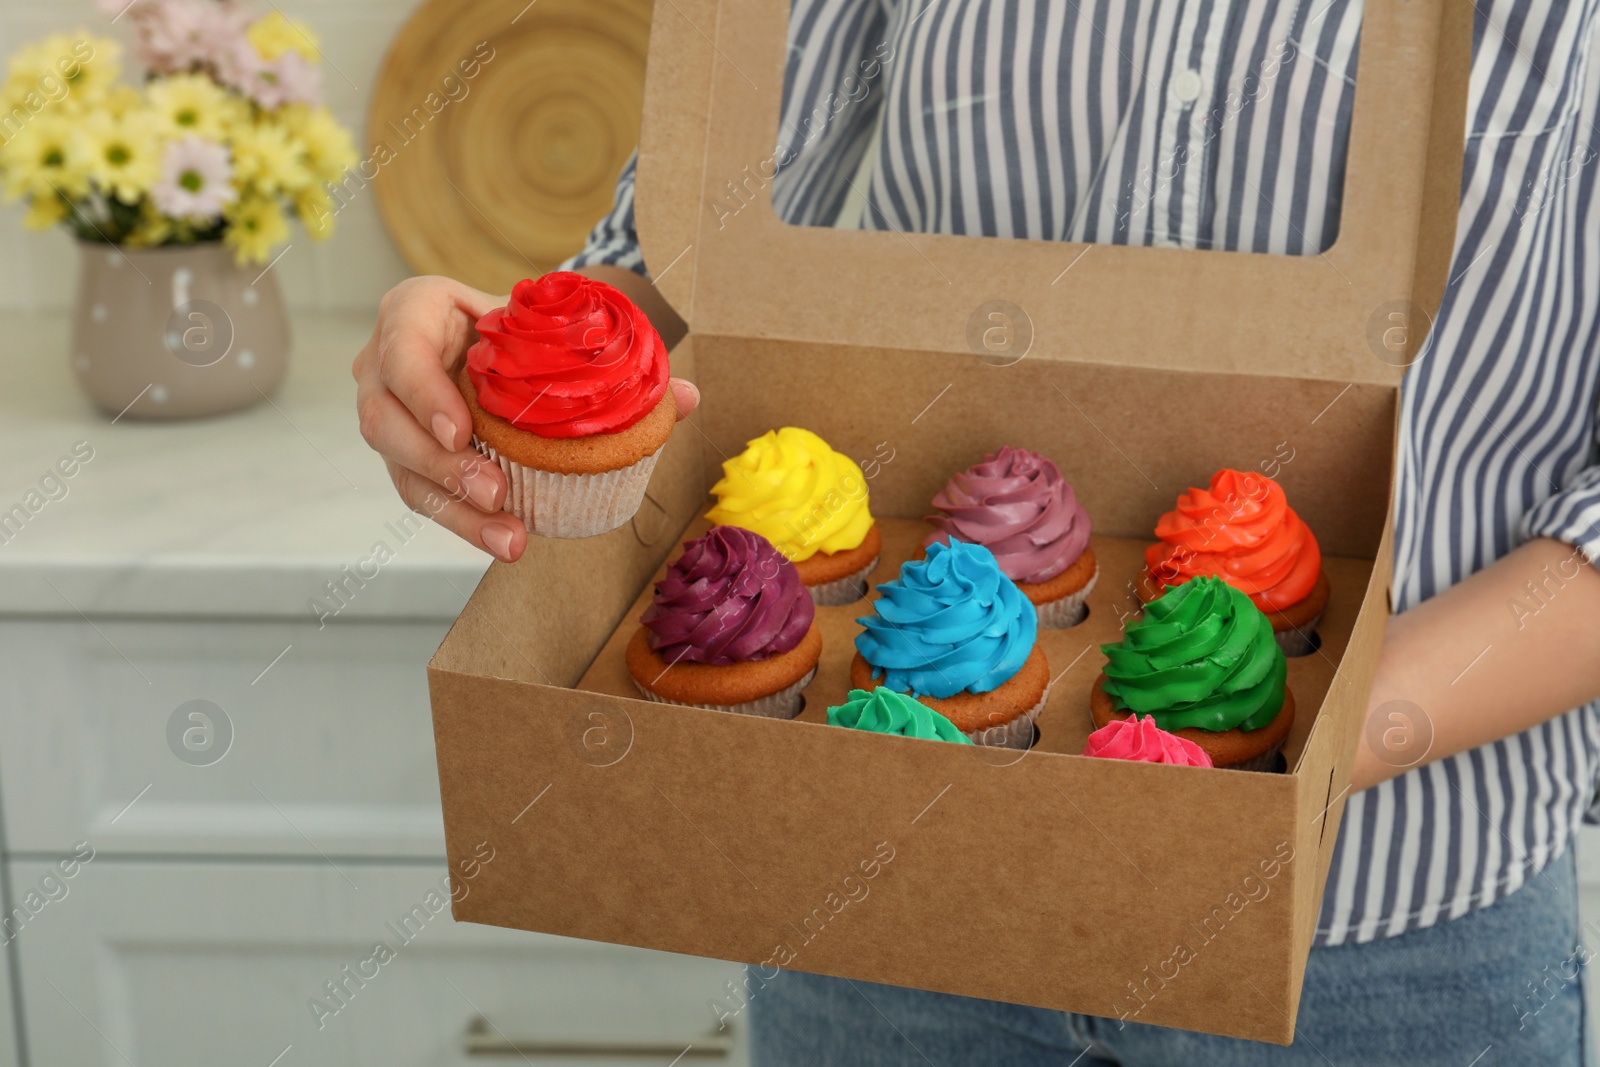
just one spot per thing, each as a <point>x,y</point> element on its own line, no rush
<point>179,565</point>
<point>331,748</point>
<point>192,964</point>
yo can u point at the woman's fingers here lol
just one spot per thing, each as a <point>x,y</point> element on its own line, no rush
<point>412,366</point>
<point>500,534</point>
<point>391,431</point>
<point>685,394</point>
<point>424,327</point>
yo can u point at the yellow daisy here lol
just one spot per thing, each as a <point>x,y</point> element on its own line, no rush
<point>42,159</point>
<point>255,224</point>
<point>194,104</point>
<point>120,155</point>
<point>326,145</point>
<point>72,70</point>
<point>264,155</point>
<point>275,34</point>
<point>44,212</point>
<point>120,100</point>
<point>315,209</point>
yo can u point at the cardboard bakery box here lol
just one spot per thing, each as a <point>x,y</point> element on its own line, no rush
<point>1178,896</point>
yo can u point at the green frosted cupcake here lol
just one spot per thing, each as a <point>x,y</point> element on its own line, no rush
<point>1203,662</point>
<point>883,711</point>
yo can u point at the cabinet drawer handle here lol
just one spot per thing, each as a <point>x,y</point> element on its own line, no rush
<point>481,1039</point>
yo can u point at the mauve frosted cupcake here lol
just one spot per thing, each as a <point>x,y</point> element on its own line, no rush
<point>1016,504</point>
<point>731,628</point>
<point>567,386</point>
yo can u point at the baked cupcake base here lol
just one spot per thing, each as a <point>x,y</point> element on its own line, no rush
<point>835,578</point>
<point>784,704</point>
<point>1060,601</point>
<point>770,687</point>
<point>571,486</point>
<point>1294,627</point>
<point>1236,750</point>
<point>1000,718</point>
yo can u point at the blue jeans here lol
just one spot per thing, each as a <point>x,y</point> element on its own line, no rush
<point>1456,994</point>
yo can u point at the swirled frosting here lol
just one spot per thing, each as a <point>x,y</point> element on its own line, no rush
<point>950,623</point>
<point>1242,530</point>
<point>1142,740</point>
<point>791,488</point>
<point>1201,655</point>
<point>1016,504</point>
<point>883,711</point>
<point>568,357</point>
<point>729,598</point>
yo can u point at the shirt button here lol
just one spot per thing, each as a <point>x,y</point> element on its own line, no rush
<point>1185,86</point>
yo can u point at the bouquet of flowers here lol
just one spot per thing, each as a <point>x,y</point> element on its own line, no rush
<point>226,136</point>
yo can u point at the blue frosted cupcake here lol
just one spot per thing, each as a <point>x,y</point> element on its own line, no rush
<point>953,631</point>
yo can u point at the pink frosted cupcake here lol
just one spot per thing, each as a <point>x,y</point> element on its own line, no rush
<point>1144,741</point>
<point>1016,504</point>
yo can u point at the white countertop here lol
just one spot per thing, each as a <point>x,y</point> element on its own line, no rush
<point>245,514</point>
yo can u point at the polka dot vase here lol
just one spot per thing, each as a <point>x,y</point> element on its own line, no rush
<point>176,333</point>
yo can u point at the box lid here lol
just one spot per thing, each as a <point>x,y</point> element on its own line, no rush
<point>1356,312</point>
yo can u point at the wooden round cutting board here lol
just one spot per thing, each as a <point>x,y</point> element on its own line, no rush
<point>497,130</point>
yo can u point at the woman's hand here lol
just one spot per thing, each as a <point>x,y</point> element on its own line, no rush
<point>414,417</point>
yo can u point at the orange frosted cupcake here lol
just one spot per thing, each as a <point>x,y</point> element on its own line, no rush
<point>1243,531</point>
<point>567,386</point>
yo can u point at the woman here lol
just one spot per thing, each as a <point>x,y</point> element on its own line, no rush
<point>1449,930</point>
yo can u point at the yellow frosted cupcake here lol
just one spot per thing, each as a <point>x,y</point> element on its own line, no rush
<point>811,503</point>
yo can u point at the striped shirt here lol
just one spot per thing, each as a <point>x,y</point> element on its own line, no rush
<point>1217,124</point>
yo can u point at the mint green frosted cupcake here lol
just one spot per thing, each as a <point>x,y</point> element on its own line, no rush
<point>883,711</point>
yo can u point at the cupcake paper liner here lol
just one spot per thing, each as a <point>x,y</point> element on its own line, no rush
<point>786,703</point>
<point>846,590</point>
<point>1069,611</point>
<point>1018,733</point>
<point>1300,641</point>
<point>572,505</point>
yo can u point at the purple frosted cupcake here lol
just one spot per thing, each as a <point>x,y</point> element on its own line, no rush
<point>1016,504</point>
<point>731,628</point>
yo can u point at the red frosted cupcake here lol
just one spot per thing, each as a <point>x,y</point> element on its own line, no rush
<point>1243,531</point>
<point>1016,504</point>
<point>567,386</point>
